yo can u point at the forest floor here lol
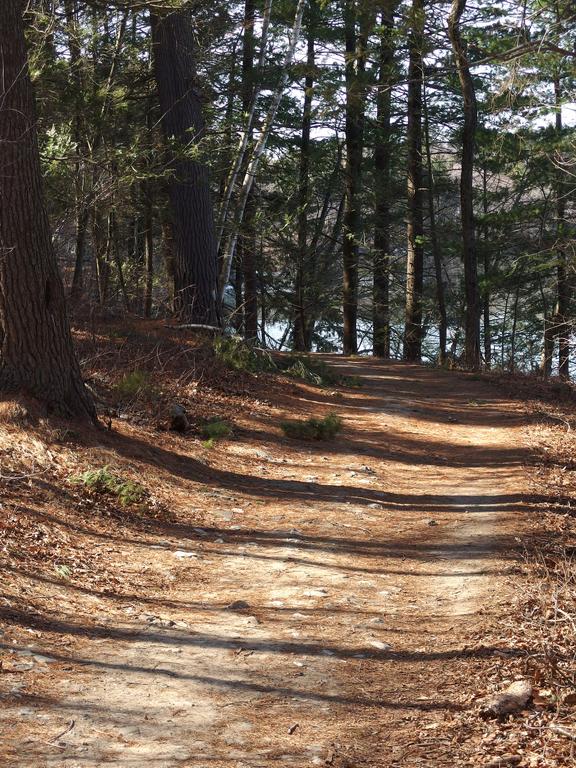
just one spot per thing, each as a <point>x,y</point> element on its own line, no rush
<point>277,602</point>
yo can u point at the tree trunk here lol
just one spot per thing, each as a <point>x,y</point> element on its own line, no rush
<point>382,181</point>
<point>242,155</point>
<point>486,293</point>
<point>115,235</point>
<point>355,64</point>
<point>36,351</point>
<point>101,241</point>
<point>435,245</point>
<point>148,249</point>
<point>259,148</point>
<point>563,286</point>
<point>247,228</point>
<point>302,340</point>
<point>415,223</point>
<point>195,258</point>
<point>472,318</point>
<point>79,138</point>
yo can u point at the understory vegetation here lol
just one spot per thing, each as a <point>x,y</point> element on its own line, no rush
<point>104,481</point>
<point>313,428</point>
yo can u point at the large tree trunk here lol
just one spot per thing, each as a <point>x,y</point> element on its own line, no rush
<point>36,352</point>
<point>355,64</point>
<point>303,289</point>
<point>382,180</point>
<point>195,258</point>
<point>472,318</point>
<point>415,219</point>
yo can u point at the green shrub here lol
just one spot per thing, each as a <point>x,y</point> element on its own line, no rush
<point>242,355</point>
<point>315,371</point>
<point>133,384</point>
<point>103,481</point>
<point>309,369</point>
<point>351,381</point>
<point>210,443</point>
<point>216,430</point>
<point>313,428</point>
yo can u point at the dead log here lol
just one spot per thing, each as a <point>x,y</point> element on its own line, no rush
<point>509,702</point>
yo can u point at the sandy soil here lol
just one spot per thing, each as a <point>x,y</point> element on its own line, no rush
<point>313,604</point>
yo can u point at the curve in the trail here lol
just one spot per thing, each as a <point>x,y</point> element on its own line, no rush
<point>332,607</point>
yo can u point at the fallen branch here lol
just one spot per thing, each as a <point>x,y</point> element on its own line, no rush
<point>514,699</point>
<point>66,730</point>
<point>563,731</point>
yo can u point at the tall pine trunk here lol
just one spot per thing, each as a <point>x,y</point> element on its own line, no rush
<point>303,289</point>
<point>247,239</point>
<point>434,242</point>
<point>382,181</point>
<point>486,290</point>
<point>195,258</point>
<point>355,63</point>
<point>562,318</point>
<point>249,174</point>
<point>36,353</point>
<point>415,218</point>
<point>472,317</point>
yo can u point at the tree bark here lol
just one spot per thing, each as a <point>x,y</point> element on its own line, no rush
<point>79,137</point>
<point>148,221</point>
<point>562,318</point>
<point>486,293</point>
<point>355,64</point>
<point>247,228</point>
<point>303,289</point>
<point>435,245</point>
<point>195,257</point>
<point>472,317</point>
<point>382,181</point>
<point>415,219</point>
<point>36,352</point>
<point>242,155</point>
<point>259,148</point>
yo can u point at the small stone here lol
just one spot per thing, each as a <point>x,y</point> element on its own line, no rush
<point>432,522</point>
<point>178,419</point>
<point>238,605</point>
<point>380,645</point>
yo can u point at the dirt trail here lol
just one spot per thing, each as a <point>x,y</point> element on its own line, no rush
<point>332,607</point>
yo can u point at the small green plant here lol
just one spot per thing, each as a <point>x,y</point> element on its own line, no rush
<point>313,428</point>
<point>242,355</point>
<point>216,430</point>
<point>309,369</point>
<point>133,384</point>
<point>315,371</point>
<point>210,443</point>
<point>103,481</point>
<point>63,571</point>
